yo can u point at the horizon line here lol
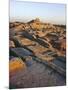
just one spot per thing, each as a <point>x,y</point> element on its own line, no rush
<point>26,21</point>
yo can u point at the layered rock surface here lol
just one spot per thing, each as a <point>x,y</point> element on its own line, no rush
<point>41,48</point>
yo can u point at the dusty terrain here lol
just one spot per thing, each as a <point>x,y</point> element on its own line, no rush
<point>37,54</point>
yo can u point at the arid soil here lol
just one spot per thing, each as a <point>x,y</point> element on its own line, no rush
<point>37,54</point>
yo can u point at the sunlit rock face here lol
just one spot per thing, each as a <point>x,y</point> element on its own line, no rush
<point>15,64</point>
<point>36,24</point>
<point>37,54</point>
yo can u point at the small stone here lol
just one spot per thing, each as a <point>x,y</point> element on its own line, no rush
<point>11,44</point>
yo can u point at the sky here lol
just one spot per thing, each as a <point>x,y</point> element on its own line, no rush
<point>46,12</point>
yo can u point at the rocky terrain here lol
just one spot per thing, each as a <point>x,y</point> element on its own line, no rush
<point>37,54</point>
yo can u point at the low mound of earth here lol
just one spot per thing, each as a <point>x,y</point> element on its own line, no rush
<point>37,54</point>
